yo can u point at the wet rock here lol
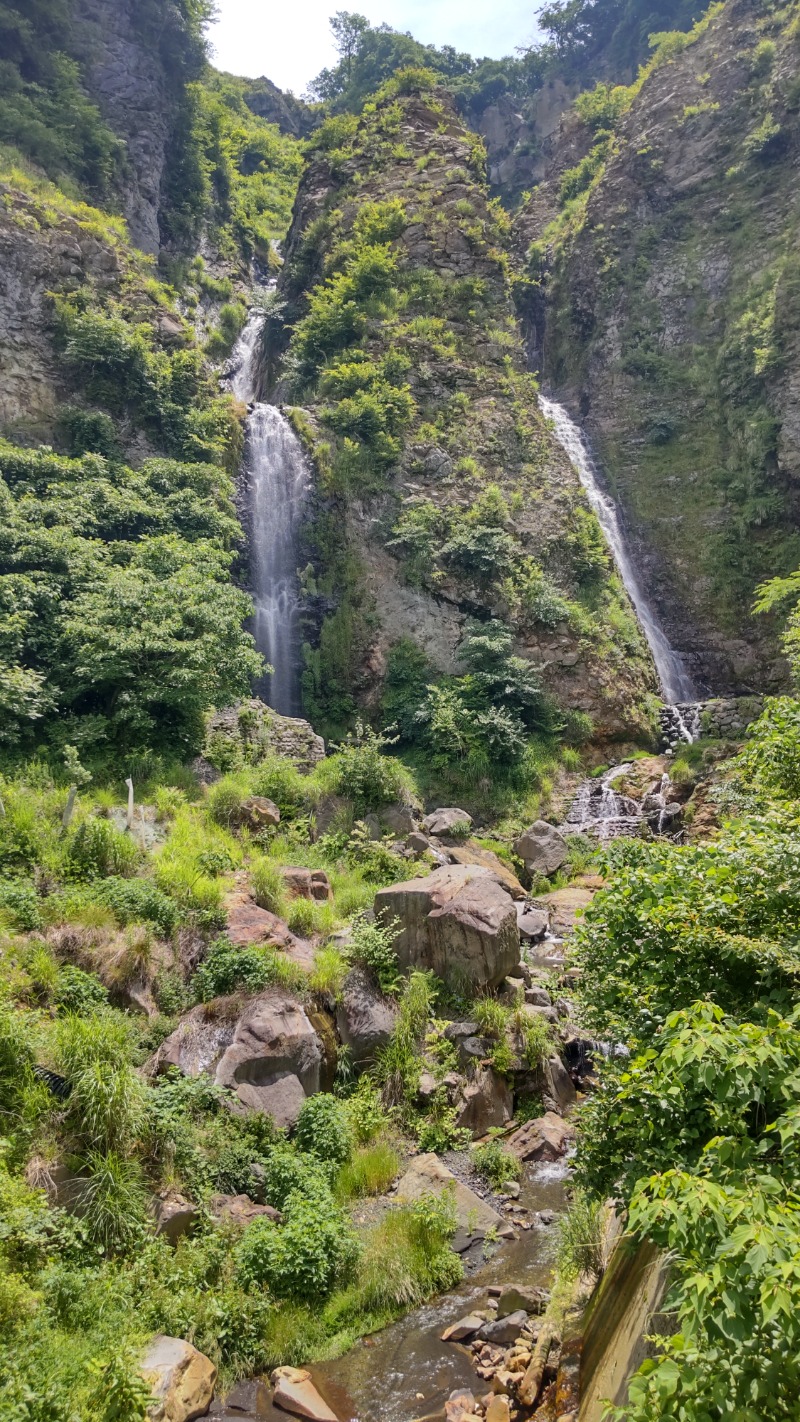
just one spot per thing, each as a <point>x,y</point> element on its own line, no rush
<point>542,848</point>
<point>182,1379</point>
<point>464,1328</point>
<point>364,1017</point>
<point>240,1209</point>
<point>471,853</point>
<point>458,920</point>
<point>532,922</point>
<point>175,1216</point>
<point>498,1410</point>
<point>294,1392</point>
<point>504,1330</point>
<point>429,1175</point>
<point>486,1103</point>
<point>459,1406</point>
<point>546,1138</point>
<point>517,1298</point>
<point>444,821</point>
<point>267,1052</point>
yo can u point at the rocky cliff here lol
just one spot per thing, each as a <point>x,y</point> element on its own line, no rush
<point>664,310</point>
<point>442,495</point>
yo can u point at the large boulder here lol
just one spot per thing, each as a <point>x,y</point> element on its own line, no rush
<point>364,1017</point>
<point>182,1380</point>
<point>427,1175</point>
<point>446,821</point>
<point>458,921</point>
<point>486,1103</point>
<point>267,1052</point>
<point>542,847</point>
<point>471,853</point>
<point>546,1138</point>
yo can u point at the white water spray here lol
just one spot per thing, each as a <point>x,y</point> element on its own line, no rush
<point>279,484</point>
<point>676,683</point>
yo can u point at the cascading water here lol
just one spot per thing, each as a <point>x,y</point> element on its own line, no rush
<point>677,685</point>
<point>279,484</point>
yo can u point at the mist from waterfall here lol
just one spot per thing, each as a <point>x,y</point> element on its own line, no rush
<point>676,683</point>
<point>278,481</point>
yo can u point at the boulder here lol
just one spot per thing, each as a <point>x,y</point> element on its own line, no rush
<point>240,1209</point>
<point>546,1138</point>
<point>486,1103</point>
<point>471,853</point>
<point>532,922</point>
<point>542,847</point>
<point>247,923</point>
<point>464,1328</point>
<point>498,1409</point>
<point>428,1175</point>
<point>364,1017</point>
<point>294,1392</point>
<point>418,842</point>
<point>175,1216</point>
<point>458,921</point>
<point>503,1331</point>
<point>444,821</point>
<point>538,997</point>
<point>514,1297</point>
<point>559,1085</point>
<point>267,1052</point>
<point>398,819</point>
<point>565,906</point>
<point>182,1380</point>
<point>302,883</point>
<point>257,813</point>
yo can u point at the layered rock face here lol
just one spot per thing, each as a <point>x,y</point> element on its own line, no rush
<point>403,194</point>
<point>667,320</point>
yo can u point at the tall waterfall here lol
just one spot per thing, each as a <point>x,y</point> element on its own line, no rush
<point>676,683</point>
<point>279,484</point>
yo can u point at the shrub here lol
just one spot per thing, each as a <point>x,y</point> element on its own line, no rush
<point>79,992</point>
<point>20,905</point>
<point>367,776</point>
<point>323,1129</point>
<point>227,969</point>
<point>135,900</point>
<point>303,1258</point>
<point>288,1170</point>
<point>97,850</point>
<point>496,1164</point>
<point>373,945</point>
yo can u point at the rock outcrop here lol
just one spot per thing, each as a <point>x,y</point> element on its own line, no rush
<point>266,1051</point>
<point>459,921</point>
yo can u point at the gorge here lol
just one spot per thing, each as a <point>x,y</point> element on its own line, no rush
<point>399,731</point>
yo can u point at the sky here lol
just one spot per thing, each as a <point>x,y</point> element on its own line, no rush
<point>290,41</point>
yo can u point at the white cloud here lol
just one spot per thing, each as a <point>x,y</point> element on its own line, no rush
<point>291,42</point>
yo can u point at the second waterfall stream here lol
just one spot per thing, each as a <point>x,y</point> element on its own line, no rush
<point>279,484</point>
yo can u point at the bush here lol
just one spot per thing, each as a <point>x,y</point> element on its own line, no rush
<point>97,850</point>
<point>496,1164</point>
<point>367,776</point>
<point>137,900</point>
<point>323,1129</point>
<point>302,1259</point>
<point>372,944</point>
<point>227,969</point>
<point>79,992</point>
<point>20,905</point>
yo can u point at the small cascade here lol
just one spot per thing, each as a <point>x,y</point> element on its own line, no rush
<point>680,723</point>
<point>278,484</point>
<point>601,811</point>
<point>676,683</point>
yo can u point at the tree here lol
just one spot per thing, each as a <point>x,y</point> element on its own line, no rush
<point>348,29</point>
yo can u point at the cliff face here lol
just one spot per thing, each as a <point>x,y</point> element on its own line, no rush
<point>665,313</point>
<point>442,494</point>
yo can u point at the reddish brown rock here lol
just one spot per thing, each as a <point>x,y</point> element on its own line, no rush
<point>303,883</point>
<point>240,1209</point>
<point>294,1392</point>
<point>546,1138</point>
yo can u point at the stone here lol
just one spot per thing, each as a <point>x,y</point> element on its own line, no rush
<point>486,1103</point>
<point>428,1086</point>
<point>532,923</point>
<point>444,821</point>
<point>321,887</point>
<point>546,1138</point>
<point>294,1392</point>
<point>182,1379</point>
<point>464,1328</point>
<point>457,921</point>
<point>521,1297</point>
<point>247,923</point>
<point>471,853</point>
<point>504,1330</point>
<point>427,1175</point>
<point>459,1406</point>
<point>398,819</point>
<point>261,731</point>
<point>537,997</point>
<point>175,1217</point>
<point>559,1085</point>
<point>565,906</point>
<point>302,883</point>
<point>418,842</point>
<point>542,848</point>
<point>257,812</point>
<point>267,1052</point>
<point>498,1410</point>
<point>364,1017</point>
<point>241,1210</point>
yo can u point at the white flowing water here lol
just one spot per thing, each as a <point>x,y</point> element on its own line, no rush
<point>279,484</point>
<point>676,683</point>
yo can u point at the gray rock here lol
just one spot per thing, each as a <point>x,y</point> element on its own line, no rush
<point>516,1298</point>
<point>174,1217</point>
<point>503,1331</point>
<point>533,923</point>
<point>444,821</point>
<point>418,842</point>
<point>537,997</point>
<point>486,1103</point>
<point>559,1085</point>
<point>398,819</point>
<point>364,1017</point>
<point>458,921</point>
<point>542,847</point>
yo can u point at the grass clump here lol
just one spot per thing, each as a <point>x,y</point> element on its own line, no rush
<point>497,1165</point>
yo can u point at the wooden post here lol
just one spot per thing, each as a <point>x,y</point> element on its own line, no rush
<point>69,807</point>
<point>129,819</point>
<point>531,1385</point>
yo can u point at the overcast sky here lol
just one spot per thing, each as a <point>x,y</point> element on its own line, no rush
<point>289,40</point>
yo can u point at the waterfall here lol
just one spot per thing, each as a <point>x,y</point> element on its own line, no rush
<point>278,483</point>
<point>676,684</point>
